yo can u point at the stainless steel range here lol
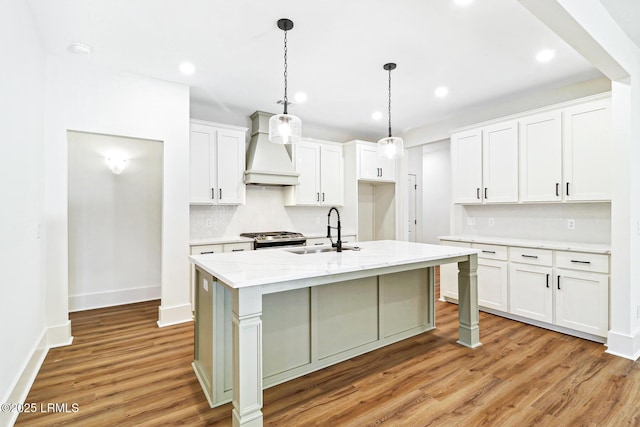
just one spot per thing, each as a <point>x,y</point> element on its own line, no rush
<point>272,239</point>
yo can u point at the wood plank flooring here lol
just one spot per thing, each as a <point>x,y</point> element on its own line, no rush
<point>122,370</point>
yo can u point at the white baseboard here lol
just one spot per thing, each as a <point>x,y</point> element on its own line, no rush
<point>60,335</point>
<point>174,315</point>
<point>622,345</point>
<point>23,382</point>
<point>111,298</point>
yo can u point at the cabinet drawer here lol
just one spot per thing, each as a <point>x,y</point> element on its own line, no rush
<point>491,251</point>
<point>597,263</point>
<point>238,247</point>
<point>531,256</point>
<point>206,249</point>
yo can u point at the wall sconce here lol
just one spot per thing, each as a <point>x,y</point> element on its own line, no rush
<point>117,163</point>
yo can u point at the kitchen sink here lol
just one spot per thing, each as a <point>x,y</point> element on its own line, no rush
<point>318,250</point>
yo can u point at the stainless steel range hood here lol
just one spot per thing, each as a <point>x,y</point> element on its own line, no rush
<point>267,163</point>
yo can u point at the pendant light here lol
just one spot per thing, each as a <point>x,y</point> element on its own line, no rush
<point>390,147</point>
<point>285,128</point>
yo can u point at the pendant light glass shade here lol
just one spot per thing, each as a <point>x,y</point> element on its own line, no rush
<point>285,128</point>
<point>390,147</point>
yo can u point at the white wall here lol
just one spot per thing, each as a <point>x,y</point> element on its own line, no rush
<point>22,305</point>
<point>84,98</point>
<point>436,191</point>
<point>115,221</point>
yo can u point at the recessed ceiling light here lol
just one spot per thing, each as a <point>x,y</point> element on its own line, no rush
<point>545,55</point>
<point>441,91</point>
<point>80,48</point>
<point>463,2</point>
<point>377,115</point>
<point>187,68</point>
<point>300,97</point>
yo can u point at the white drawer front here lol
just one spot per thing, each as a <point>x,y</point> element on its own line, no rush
<point>238,247</point>
<point>206,249</point>
<point>491,251</point>
<point>597,263</point>
<point>531,256</point>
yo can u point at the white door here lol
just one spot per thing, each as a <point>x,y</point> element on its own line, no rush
<point>331,176</point>
<point>230,167</point>
<point>308,165</point>
<point>412,191</point>
<point>500,163</point>
<point>530,291</point>
<point>541,158</point>
<point>492,284</point>
<point>368,163</point>
<point>466,163</point>
<point>582,301</point>
<point>587,151</point>
<point>201,171</point>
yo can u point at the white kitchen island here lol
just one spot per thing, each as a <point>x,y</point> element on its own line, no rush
<point>265,317</point>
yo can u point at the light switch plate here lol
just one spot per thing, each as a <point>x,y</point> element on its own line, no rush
<point>471,221</point>
<point>571,224</point>
<point>492,222</point>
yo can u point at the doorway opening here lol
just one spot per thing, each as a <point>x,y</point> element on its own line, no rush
<point>114,220</point>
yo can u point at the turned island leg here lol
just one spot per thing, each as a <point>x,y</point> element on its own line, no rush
<point>247,357</point>
<point>468,315</point>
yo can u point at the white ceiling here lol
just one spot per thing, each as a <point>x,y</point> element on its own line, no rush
<point>483,53</point>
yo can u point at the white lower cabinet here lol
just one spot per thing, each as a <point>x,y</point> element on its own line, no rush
<point>582,292</point>
<point>492,277</point>
<point>563,290</point>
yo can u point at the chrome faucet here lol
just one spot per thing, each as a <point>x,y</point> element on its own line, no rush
<point>338,244</point>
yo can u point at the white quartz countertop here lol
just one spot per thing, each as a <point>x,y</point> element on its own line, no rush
<point>253,268</point>
<point>525,243</point>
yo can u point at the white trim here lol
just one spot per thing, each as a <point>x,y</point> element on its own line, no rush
<point>623,345</point>
<point>23,382</point>
<point>111,298</point>
<point>218,125</point>
<point>168,316</point>
<point>60,335</point>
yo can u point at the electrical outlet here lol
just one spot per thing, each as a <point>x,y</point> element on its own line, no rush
<point>471,221</point>
<point>209,223</point>
<point>492,222</point>
<point>571,224</point>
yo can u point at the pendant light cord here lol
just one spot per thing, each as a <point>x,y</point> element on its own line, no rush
<point>286,101</point>
<point>389,102</point>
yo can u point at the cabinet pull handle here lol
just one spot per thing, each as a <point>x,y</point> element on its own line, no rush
<point>220,194</point>
<point>323,196</point>
<point>485,193</point>
<point>558,282</point>
<point>317,197</point>
<point>237,250</point>
<point>319,243</point>
<point>548,279</point>
<point>478,193</point>
<point>557,189</point>
<point>580,262</point>
<point>567,188</point>
<point>529,256</point>
<point>207,252</point>
<point>213,193</point>
<point>380,172</point>
<point>488,252</point>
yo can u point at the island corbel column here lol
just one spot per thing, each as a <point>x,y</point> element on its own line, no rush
<point>468,316</point>
<point>247,357</point>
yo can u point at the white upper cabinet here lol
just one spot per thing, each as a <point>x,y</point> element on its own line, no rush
<point>500,163</point>
<point>562,154</point>
<point>373,168</point>
<point>466,158</point>
<point>216,164</point>
<point>587,151</point>
<point>485,164</point>
<point>541,157</point>
<point>321,169</point>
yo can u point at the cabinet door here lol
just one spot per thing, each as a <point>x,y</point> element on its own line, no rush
<point>530,291</point>
<point>307,163</point>
<point>387,169</point>
<point>500,163</point>
<point>541,157</point>
<point>492,284</point>
<point>582,301</point>
<point>201,170</point>
<point>466,163</point>
<point>230,167</point>
<point>331,176</point>
<point>587,151</point>
<point>369,168</point>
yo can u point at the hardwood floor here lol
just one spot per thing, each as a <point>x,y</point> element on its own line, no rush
<point>122,370</point>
